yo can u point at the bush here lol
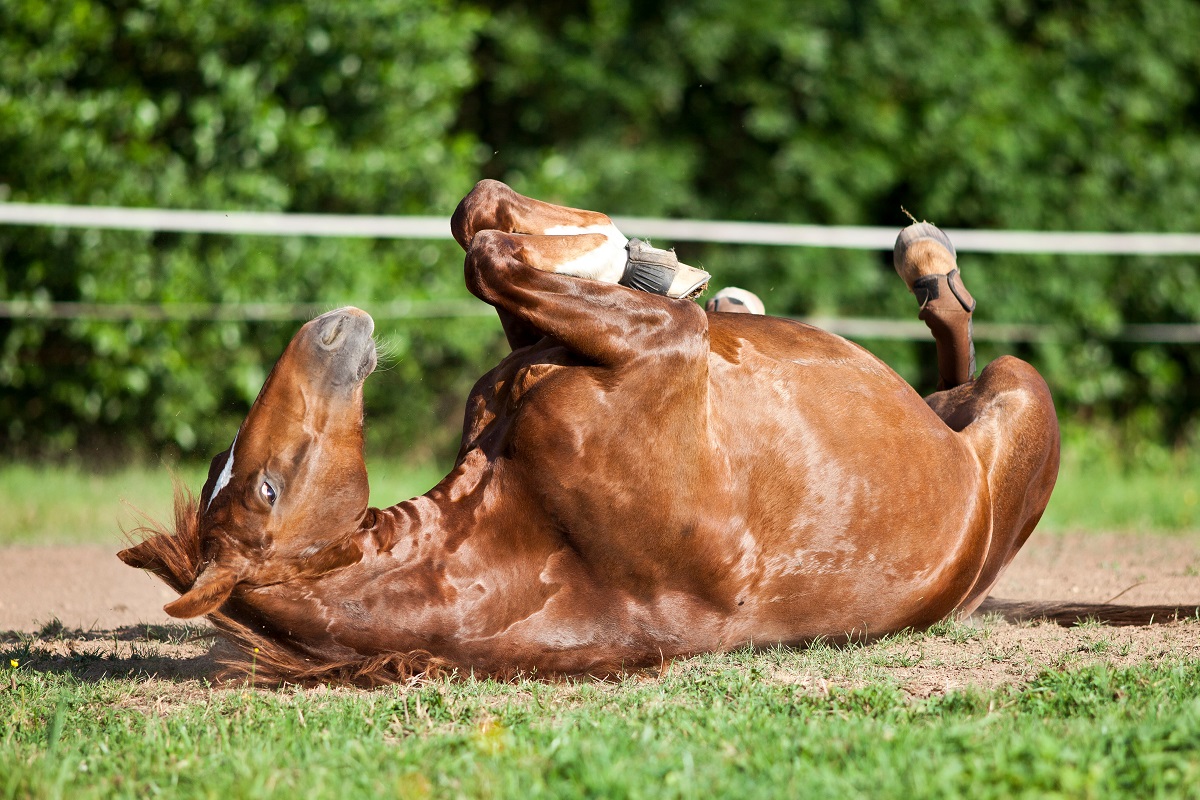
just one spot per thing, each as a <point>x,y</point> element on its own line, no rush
<point>280,106</point>
<point>1008,114</point>
<point>984,114</point>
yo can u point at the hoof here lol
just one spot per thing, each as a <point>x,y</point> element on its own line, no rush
<point>732,300</point>
<point>926,260</point>
<point>922,250</point>
<point>656,271</point>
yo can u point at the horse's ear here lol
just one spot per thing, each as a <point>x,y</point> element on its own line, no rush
<point>210,591</point>
<point>144,555</point>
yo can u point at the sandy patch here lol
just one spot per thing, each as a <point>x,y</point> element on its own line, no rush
<point>81,610</point>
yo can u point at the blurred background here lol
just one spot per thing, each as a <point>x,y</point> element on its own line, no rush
<point>986,114</point>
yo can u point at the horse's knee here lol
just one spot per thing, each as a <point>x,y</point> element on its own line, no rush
<point>494,205</point>
<point>1009,376</point>
<point>1009,370</point>
<point>488,254</point>
<point>478,211</point>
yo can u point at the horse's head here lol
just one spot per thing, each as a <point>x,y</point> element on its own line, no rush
<point>293,482</point>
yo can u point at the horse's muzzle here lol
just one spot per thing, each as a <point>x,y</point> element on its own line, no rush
<point>345,336</point>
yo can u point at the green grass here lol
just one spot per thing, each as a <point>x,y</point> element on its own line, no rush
<point>1103,486</point>
<point>718,726</point>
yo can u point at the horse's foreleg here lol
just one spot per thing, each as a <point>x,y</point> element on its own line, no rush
<point>615,259</point>
<point>493,206</point>
<point>925,259</point>
<point>530,279</point>
<point>593,256</point>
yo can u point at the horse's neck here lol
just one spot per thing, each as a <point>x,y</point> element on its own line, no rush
<point>405,586</point>
<point>437,520</point>
<point>413,530</point>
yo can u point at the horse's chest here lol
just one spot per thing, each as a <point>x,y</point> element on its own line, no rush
<point>546,410</point>
<point>522,386</point>
<point>520,410</point>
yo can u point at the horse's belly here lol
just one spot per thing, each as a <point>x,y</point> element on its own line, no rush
<point>862,509</point>
<point>793,498</point>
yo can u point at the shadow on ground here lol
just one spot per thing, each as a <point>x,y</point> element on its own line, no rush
<point>1009,641</point>
<point>1070,614</point>
<point>165,652</point>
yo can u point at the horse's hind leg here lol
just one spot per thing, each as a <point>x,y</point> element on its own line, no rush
<point>925,259</point>
<point>1008,417</point>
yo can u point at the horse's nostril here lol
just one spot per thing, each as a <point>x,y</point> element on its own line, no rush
<point>332,330</point>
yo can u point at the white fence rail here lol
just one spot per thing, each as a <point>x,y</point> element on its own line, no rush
<point>420,227</point>
<point>854,237</point>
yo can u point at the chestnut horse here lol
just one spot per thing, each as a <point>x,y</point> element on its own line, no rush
<point>639,479</point>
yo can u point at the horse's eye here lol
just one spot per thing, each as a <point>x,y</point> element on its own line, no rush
<point>268,492</point>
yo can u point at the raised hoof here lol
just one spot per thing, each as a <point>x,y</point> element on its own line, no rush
<point>732,300</point>
<point>656,271</point>
<point>923,249</point>
<point>926,260</point>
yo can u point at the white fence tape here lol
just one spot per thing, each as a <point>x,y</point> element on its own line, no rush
<point>418,227</point>
<point>766,233</point>
<point>855,237</point>
<point>235,222</point>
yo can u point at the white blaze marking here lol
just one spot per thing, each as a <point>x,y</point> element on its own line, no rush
<point>605,263</point>
<point>226,474</point>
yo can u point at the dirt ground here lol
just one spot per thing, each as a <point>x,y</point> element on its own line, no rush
<point>80,609</point>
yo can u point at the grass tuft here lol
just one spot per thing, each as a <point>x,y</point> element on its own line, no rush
<point>710,728</point>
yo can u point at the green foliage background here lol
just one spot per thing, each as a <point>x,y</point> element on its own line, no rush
<point>971,113</point>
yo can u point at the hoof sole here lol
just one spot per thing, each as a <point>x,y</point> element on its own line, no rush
<point>923,249</point>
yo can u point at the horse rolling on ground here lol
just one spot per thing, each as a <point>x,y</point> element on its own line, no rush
<point>639,479</point>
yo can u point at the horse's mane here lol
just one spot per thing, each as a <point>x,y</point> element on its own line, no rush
<point>258,654</point>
